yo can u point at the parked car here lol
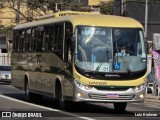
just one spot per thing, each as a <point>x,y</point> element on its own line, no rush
<point>5,73</point>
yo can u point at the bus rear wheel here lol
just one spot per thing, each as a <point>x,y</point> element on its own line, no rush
<point>30,97</point>
<point>28,94</point>
<point>120,107</point>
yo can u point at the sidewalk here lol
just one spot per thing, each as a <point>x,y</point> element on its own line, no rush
<point>152,98</point>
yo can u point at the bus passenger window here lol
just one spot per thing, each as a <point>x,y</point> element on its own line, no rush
<point>51,37</point>
<point>58,41</point>
<point>21,40</point>
<point>16,40</point>
<point>27,40</point>
<point>46,38</point>
<point>34,39</point>
<point>40,39</point>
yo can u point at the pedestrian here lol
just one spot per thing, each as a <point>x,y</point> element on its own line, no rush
<point>158,88</point>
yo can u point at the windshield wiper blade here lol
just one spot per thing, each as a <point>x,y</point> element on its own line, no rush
<point>126,66</point>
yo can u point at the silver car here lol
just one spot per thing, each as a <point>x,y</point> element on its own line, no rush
<point>5,73</point>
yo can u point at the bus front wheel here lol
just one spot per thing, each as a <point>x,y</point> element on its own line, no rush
<point>120,107</point>
<point>63,104</point>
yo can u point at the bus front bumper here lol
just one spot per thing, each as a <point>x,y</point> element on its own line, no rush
<point>95,95</point>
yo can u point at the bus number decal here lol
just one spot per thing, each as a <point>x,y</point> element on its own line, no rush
<point>104,68</point>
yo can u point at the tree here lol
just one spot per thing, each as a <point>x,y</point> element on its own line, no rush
<point>15,5</point>
<point>107,8</point>
<point>39,7</point>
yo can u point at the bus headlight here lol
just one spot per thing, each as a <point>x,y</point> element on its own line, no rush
<point>140,87</point>
<point>82,86</point>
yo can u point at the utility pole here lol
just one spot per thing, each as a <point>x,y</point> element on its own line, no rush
<point>123,6</point>
<point>146,19</point>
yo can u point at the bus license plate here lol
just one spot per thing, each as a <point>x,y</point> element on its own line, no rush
<point>112,96</point>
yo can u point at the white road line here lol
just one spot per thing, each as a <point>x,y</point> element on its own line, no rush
<point>46,108</point>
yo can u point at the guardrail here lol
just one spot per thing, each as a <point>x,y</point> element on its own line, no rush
<point>5,60</point>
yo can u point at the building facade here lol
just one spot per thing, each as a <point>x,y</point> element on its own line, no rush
<point>11,17</point>
<point>91,2</point>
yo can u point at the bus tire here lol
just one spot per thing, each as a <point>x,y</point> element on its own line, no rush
<point>29,95</point>
<point>63,104</point>
<point>120,106</point>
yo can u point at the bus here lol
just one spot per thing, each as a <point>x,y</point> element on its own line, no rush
<point>81,57</point>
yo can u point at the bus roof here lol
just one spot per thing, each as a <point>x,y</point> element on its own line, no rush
<point>89,20</point>
<point>65,13</point>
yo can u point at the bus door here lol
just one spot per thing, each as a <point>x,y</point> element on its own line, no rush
<point>68,59</point>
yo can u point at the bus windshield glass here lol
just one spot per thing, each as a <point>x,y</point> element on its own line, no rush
<point>108,50</point>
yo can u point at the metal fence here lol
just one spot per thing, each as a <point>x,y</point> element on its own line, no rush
<point>5,60</point>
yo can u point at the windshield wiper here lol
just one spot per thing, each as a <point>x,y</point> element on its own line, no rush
<point>126,66</point>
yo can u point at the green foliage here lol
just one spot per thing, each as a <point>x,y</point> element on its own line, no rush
<point>80,8</point>
<point>107,8</point>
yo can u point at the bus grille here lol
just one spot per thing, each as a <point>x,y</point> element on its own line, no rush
<point>104,97</point>
<point>112,89</point>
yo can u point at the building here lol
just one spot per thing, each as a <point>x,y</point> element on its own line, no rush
<point>90,2</point>
<point>10,17</point>
<point>96,2</point>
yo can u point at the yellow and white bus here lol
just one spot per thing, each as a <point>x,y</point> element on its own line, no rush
<point>82,58</point>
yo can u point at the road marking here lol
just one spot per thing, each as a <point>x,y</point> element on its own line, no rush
<point>47,108</point>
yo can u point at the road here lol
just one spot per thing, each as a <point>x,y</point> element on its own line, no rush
<point>13,100</point>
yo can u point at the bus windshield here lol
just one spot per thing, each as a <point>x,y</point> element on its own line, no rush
<point>104,49</point>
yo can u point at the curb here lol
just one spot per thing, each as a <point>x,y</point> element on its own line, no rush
<point>152,98</point>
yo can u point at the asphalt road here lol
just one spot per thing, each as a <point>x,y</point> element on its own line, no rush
<point>13,100</point>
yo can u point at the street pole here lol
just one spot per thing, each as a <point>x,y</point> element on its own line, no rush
<point>123,7</point>
<point>146,19</point>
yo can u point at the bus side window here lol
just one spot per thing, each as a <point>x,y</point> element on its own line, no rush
<point>31,45</point>
<point>27,40</point>
<point>51,37</point>
<point>21,40</point>
<point>46,37</point>
<point>58,41</point>
<point>68,40</point>
<point>34,39</point>
<point>40,39</point>
<point>16,40</point>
